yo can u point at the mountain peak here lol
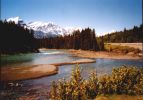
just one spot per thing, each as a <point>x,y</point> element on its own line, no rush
<point>47,28</point>
<point>44,29</point>
<point>16,20</point>
<point>40,23</point>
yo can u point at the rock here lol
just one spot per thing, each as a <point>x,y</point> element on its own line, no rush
<point>16,84</point>
<point>11,84</point>
<point>131,53</point>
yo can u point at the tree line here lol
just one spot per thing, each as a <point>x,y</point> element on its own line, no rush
<point>15,39</point>
<point>84,39</point>
<point>126,36</point>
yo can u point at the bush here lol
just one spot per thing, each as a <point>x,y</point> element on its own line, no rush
<point>70,90</point>
<point>121,49</point>
<point>123,80</point>
<point>128,80</point>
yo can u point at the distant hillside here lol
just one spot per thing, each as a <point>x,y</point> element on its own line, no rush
<point>126,36</point>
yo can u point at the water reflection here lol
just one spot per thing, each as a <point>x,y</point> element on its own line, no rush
<point>46,57</point>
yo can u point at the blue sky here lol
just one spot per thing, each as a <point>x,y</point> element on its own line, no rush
<point>103,15</point>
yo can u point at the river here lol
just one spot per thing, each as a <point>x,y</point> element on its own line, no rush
<point>41,85</point>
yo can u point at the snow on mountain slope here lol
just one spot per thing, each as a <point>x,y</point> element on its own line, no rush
<point>43,29</point>
<point>16,20</point>
<point>47,28</point>
<point>70,30</point>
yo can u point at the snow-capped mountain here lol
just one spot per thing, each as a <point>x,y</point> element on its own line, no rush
<point>49,29</point>
<point>70,30</point>
<point>44,29</point>
<point>16,20</point>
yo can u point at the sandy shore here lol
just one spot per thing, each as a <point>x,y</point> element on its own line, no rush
<point>27,72</point>
<point>80,61</point>
<point>35,71</point>
<point>103,54</point>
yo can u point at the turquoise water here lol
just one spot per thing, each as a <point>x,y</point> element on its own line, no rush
<point>44,57</point>
<point>101,66</point>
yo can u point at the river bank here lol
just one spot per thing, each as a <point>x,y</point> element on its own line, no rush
<point>35,71</point>
<point>103,54</point>
<point>59,58</point>
<point>41,70</point>
<point>100,54</point>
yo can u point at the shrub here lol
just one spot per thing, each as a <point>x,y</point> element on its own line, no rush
<point>92,86</point>
<point>126,79</point>
<point>123,80</point>
<point>121,49</point>
<point>70,90</point>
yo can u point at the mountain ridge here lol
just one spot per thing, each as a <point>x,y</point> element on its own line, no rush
<point>44,29</point>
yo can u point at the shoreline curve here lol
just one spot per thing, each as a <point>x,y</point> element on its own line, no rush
<point>35,71</point>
